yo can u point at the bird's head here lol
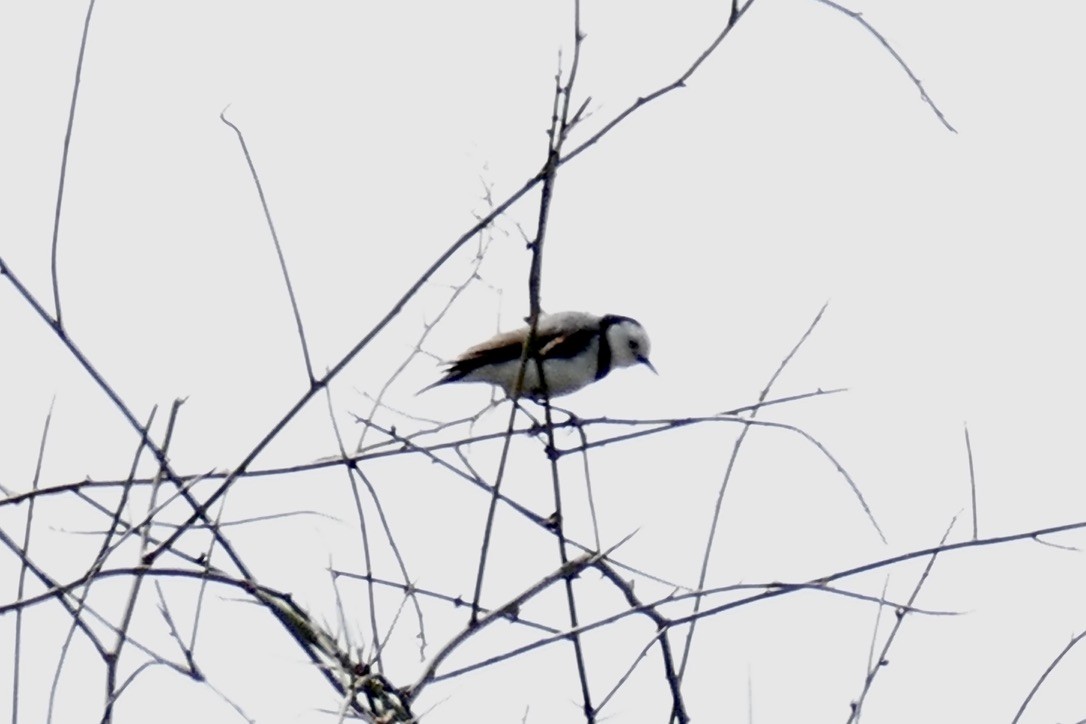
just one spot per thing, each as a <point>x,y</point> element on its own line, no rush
<point>629,344</point>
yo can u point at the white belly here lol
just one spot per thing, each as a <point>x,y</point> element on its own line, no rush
<point>562,376</point>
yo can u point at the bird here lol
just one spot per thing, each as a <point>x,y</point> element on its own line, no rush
<point>576,349</point>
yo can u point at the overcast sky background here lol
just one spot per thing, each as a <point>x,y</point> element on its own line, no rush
<point>798,166</point>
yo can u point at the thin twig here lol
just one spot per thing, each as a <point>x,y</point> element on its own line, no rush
<point>488,526</point>
<point>858,706</point>
<point>748,422</point>
<point>334,371</point>
<point>477,480</point>
<point>114,658</point>
<point>972,481</point>
<point>882,660</point>
<point>671,674</point>
<point>64,164</point>
<point>515,604</point>
<point>456,601</point>
<point>858,17</point>
<point>199,510</point>
<point>96,565</point>
<point>559,529</point>
<point>674,85</point>
<point>175,634</point>
<point>629,670</point>
<point>363,529</point>
<point>20,588</point>
<point>1055,662</point>
<point>548,174</point>
<point>427,328</point>
<point>714,523</point>
<point>588,486</point>
<point>781,590</point>
<point>278,246</point>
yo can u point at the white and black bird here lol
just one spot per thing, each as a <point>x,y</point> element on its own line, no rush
<point>575,348</point>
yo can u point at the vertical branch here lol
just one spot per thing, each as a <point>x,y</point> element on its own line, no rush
<point>559,529</point>
<point>560,127</point>
<point>556,135</point>
<point>678,706</point>
<point>21,587</point>
<point>871,660</point>
<point>588,481</point>
<point>64,164</point>
<point>103,551</point>
<point>114,656</point>
<point>354,468</point>
<point>278,248</point>
<point>972,480</point>
<point>495,495</point>
<point>724,486</point>
<point>363,530</point>
<point>561,124</point>
<point>882,661</point>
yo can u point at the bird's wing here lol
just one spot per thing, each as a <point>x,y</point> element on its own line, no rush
<point>499,348</point>
<point>568,344</point>
<point>558,335</point>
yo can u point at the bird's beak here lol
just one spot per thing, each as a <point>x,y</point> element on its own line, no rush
<point>645,361</point>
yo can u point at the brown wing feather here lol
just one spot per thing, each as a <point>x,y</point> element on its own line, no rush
<point>557,336</point>
<point>502,346</point>
<point>552,332</point>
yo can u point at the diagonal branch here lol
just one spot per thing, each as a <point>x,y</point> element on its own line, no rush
<point>859,17</point>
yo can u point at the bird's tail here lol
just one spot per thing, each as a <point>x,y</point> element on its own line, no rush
<point>442,381</point>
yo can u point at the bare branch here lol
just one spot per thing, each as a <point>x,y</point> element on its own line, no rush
<point>278,246</point>
<point>20,588</point>
<point>859,17</point>
<point>882,660</point>
<point>64,164</point>
<point>972,481</point>
<point>1048,670</point>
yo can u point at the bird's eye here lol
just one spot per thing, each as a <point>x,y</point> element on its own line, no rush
<point>633,344</point>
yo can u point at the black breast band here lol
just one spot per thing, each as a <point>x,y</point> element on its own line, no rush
<point>603,359</point>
